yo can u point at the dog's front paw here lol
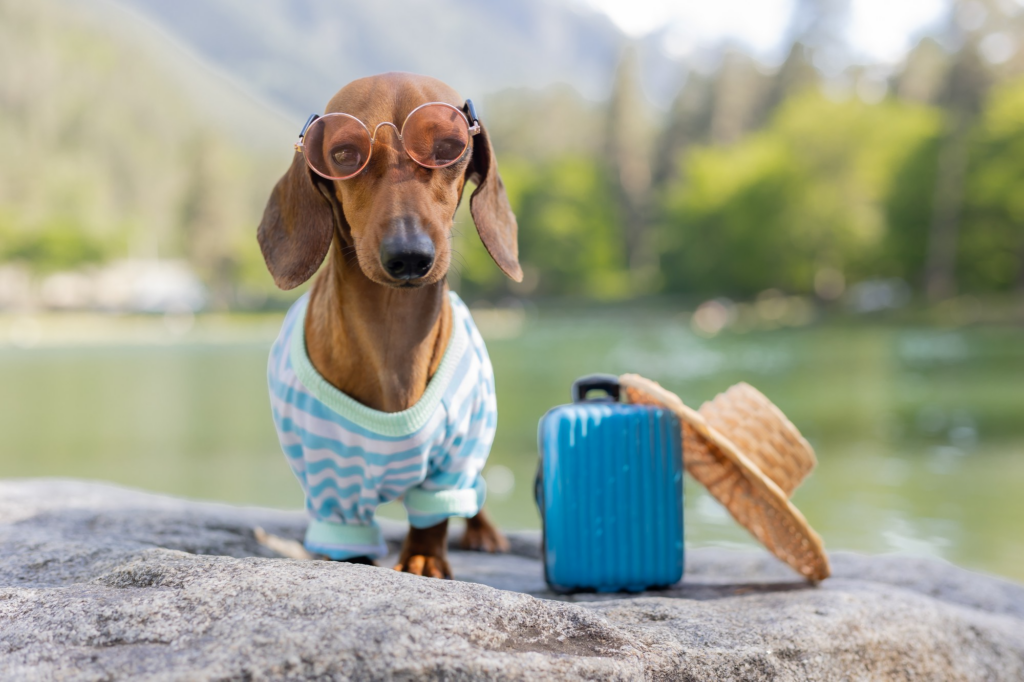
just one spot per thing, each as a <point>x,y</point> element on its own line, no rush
<point>482,536</point>
<point>487,539</point>
<point>429,566</point>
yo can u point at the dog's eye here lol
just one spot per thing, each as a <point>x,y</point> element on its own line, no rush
<point>448,150</point>
<point>347,158</point>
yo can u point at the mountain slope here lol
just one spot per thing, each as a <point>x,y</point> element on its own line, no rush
<point>299,52</point>
<point>116,143</point>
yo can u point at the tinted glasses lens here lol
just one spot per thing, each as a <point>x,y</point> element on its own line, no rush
<point>436,135</point>
<point>336,146</point>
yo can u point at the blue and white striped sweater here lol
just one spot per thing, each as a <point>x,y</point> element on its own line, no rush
<point>349,458</point>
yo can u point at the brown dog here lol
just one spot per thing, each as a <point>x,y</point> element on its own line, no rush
<point>378,336</point>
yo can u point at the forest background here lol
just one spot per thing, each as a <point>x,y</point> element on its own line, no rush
<point>818,176</point>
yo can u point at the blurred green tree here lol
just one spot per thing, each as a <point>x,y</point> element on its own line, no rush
<point>627,163</point>
<point>962,98</point>
<point>807,192</point>
<point>59,244</point>
<point>991,242</point>
<point>570,238</point>
<point>729,208</point>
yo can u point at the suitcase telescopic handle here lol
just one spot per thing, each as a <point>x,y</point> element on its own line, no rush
<point>609,383</point>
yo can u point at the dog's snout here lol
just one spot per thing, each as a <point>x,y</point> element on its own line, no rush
<point>407,253</point>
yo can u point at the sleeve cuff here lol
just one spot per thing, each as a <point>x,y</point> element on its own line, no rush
<point>428,508</point>
<point>341,541</point>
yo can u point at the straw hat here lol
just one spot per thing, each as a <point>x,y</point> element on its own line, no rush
<point>751,458</point>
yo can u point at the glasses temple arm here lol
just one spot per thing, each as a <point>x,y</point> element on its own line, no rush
<point>474,122</point>
<point>302,133</point>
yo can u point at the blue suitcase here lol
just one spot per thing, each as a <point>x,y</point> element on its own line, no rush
<point>610,492</point>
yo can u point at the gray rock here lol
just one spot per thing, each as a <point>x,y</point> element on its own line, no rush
<point>102,583</point>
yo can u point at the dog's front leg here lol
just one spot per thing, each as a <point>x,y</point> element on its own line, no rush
<point>425,552</point>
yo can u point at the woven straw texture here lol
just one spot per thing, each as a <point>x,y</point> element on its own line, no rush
<point>755,500</point>
<point>762,433</point>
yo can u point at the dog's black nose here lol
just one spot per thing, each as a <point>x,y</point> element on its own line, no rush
<point>406,256</point>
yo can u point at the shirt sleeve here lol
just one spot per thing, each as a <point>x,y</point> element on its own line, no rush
<point>454,485</point>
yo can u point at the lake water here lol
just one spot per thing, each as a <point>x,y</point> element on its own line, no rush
<point>919,431</point>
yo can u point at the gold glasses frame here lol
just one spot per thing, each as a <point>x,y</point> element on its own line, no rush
<point>468,114</point>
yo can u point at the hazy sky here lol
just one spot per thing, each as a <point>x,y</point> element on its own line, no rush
<point>879,29</point>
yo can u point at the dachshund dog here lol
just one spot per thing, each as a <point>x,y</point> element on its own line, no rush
<point>380,385</point>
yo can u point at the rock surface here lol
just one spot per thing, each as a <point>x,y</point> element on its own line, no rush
<point>100,583</point>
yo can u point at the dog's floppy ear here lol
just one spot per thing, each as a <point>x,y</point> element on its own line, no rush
<point>297,227</point>
<point>489,205</point>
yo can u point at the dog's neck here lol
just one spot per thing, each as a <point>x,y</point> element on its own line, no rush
<point>377,344</point>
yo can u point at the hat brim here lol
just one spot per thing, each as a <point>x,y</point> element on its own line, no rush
<point>753,499</point>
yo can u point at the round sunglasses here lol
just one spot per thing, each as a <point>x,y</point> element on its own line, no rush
<point>434,135</point>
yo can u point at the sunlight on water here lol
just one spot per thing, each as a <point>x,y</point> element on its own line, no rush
<point>918,431</point>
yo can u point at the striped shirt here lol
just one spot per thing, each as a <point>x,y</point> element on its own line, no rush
<point>349,458</point>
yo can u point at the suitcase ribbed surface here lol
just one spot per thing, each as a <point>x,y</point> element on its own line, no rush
<point>612,496</point>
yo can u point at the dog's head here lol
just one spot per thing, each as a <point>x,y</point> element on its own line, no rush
<point>394,215</point>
